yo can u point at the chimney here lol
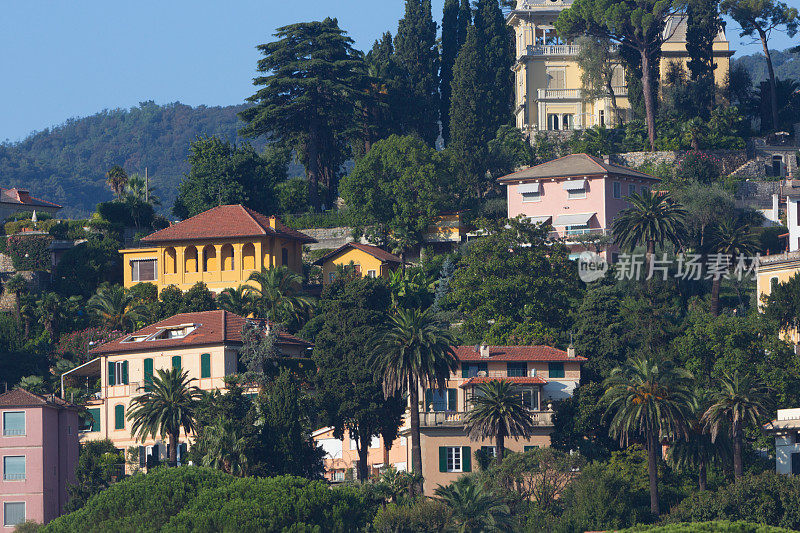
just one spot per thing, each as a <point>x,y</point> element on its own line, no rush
<point>571,351</point>
<point>273,222</point>
<point>607,159</point>
<point>484,350</point>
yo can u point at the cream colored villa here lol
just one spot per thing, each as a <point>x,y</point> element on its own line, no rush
<point>547,76</point>
<point>205,344</point>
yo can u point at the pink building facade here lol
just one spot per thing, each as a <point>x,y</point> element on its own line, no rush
<point>38,456</point>
<point>579,195</point>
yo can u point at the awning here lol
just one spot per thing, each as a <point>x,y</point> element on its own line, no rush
<point>529,187</point>
<point>575,185</point>
<point>539,220</point>
<point>577,219</point>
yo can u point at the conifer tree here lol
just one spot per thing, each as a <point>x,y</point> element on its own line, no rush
<point>381,108</point>
<point>496,43</point>
<point>449,52</point>
<point>464,22</point>
<point>702,27</point>
<point>417,56</point>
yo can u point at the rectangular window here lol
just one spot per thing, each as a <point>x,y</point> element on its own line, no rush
<point>601,118</point>
<point>556,78</point>
<point>148,373</point>
<point>435,400</point>
<point>617,190</point>
<point>555,370</point>
<point>517,370</point>
<point>117,373</point>
<point>176,361</point>
<point>530,398</point>
<point>470,370</point>
<point>532,196</point>
<point>530,448</point>
<point>13,423</point>
<point>205,365</point>
<point>372,274</point>
<point>285,256</point>
<point>631,189</point>
<point>490,451</point>
<point>13,513</point>
<point>338,476</point>
<point>144,270</point>
<point>577,194</point>
<point>91,422</point>
<point>14,468</point>
<point>454,459</point>
<point>119,417</point>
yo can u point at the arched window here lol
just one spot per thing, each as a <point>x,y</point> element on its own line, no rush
<point>552,121</point>
<point>170,261</point>
<point>568,122</point>
<point>190,259</point>
<point>227,257</point>
<point>209,258</point>
<point>249,257</point>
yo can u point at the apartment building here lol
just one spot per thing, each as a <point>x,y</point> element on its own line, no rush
<point>204,344</point>
<point>38,455</point>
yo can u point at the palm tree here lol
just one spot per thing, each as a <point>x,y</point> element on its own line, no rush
<point>137,189</point>
<point>239,301</point>
<point>114,307</point>
<point>728,239</point>
<point>168,406</point>
<point>16,286</point>
<point>278,293</point>
<point>651,400</point>
<point>116,179</point>
<point>473,508</point>
<point>652,218</point>
<point>498,412</point>
<point>740,401</point>
<point>415,350</point>
<point>52,309</point>
<point>225,448</point>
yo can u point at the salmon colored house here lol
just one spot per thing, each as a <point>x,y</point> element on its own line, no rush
<point>367,260</point>
<point>220,247</point>
<point>579,195</point>
<point>38,456</point>
<point>204,344</point>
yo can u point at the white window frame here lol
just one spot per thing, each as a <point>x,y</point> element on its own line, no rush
<point>338,476</point>
<point>578,194</point>
<point>118,365</point>
<point>24,424</point>
<point>601,118</point>
<point>372,274</point>
<point>455,459</point>
<point>135,270</point>
<point>530,197</point>
<point>617,190</point>
<point>24,464</point>
<point>24,514</point>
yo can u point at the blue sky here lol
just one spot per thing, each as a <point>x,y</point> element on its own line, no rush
<point>69,59</point>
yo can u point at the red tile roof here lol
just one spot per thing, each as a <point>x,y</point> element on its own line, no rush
<point>515,353</point>
<point>23,197</point>
<point>226,222</point>
<point>213,327</point>
<point>575,165</point>
<point>374,251</point>
<point>24,398</point>
<point>533,380</point>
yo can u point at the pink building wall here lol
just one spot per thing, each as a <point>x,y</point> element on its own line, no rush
<point>50,447</point>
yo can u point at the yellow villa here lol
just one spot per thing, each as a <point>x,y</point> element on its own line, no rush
<point>775,269</point>
<point>367,260</point>
<point>548,78</point>
<point>220,247</point>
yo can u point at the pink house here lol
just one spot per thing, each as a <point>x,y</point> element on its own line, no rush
<point>579,195</point>
<point>38,456</point>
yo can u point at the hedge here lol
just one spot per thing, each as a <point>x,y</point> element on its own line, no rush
<point>29,252</point>
<point>715,526</point>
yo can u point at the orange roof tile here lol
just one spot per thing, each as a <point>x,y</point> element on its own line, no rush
<point>374,251</point>
<point>515,353</point>
<point>24,398</point>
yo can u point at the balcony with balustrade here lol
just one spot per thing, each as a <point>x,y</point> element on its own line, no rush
<point>457,418</point>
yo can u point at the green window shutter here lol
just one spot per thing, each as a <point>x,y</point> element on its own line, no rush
<point>428,399</point>
<point>442,458</point>
<point>205,365</point>
<point>452,400</point>
<point>148,373</point>
<point>119,417</point>
<point>125,372</point>
<point>466,459</point>
<point>95,416</point>
<point>483,367</point>
<point>555,370</point>
<point>464,370</point>
<point>176,361</point>
<point>111,374</point>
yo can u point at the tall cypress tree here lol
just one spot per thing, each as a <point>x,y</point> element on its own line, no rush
<point>464,22</point>
<point>702,27</point>
<point>449,52</point>
<point>417,56</point>
<point>380,112</point>
<point>496,41</point>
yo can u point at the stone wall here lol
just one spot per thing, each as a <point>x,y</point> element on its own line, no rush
<point>6,263</point>
<point>329,238</point>
<point>730,159</point>
<point>37,281</point>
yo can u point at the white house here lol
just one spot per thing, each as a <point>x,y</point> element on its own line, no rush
<point>786,430</point>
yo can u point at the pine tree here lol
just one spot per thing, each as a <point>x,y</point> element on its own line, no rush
<point>702,27</point>
<point>449,53</point>
<point>381,110</point>
<point>496,43</point>
<point>417,57</point>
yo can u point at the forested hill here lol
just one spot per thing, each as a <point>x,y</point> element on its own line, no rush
<point>67,164</point>
<point>785,63</point>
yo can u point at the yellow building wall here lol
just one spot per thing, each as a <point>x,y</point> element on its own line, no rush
<point>359,258</point>
<point>782,273</point>
<point>218,264</point>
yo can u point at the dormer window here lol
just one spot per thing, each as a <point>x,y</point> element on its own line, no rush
<point>178,332</point>
<point>134,338</point>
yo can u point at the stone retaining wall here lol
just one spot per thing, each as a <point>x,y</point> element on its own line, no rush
<point>730,159</point>
<point>329,238</point>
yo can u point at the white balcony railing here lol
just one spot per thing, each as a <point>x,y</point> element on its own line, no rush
<point>543,50</point>
<point>453,418</point>
<point>558,94</point>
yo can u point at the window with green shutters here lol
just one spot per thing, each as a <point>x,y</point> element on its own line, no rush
<point>117,373</point>
<point>455,459</point>
<point>148,373</point>
<point>205,365</point>
<point>470,370</point>
<point>119,417</point>
<point>555,370</point>
<point>92,420</point>
<point>176,361</point>
<point>441,401</point>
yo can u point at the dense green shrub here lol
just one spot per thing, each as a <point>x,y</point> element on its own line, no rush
<point>716,526</point>
<point>29,252</point>
<point>423,516</point>
<point>767,498</point>
<point>699,167</point>
<point>84,267</point>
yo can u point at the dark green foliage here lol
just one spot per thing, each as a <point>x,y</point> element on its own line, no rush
<point>198,298</point>
<point>66,164</point>
<point>423,516</point>
<point>417,56</point>
<point>702,26</point>
<point>293,196</point>
<point>509,150</point>
<point>456,18</point>
<point>223,173</point>
<point>128,212</point>
<point>86,266</point>
<point>717,526</point>
<point>580,424</point>
<point>700,167</point>
<point>496,44</point>
<point>99,465</point>
<point>309,79</point>
<point>784,62</point>
<point>29,252</point>
<point>768,498</point>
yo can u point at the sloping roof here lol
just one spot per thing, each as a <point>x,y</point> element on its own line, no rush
<point>212,327</point>
<point>225,222</point>
<point>575,165</point>
<point>24,398</point>
<point>515,353</point>
<point>374,251</point>
<point>22,197</point>
<point>478,380</point>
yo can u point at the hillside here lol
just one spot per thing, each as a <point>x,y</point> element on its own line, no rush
<point>66,164</point>
<point>785,63</point>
